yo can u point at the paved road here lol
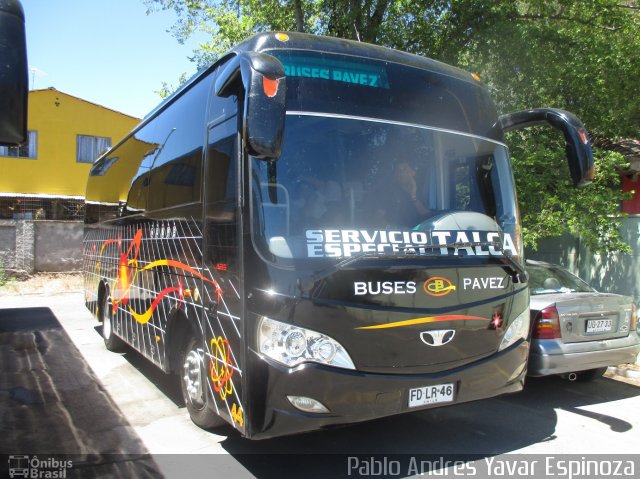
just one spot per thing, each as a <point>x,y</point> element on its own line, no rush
<point>88,401</point>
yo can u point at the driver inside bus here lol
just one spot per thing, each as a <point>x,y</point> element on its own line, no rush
<point>401,205</point>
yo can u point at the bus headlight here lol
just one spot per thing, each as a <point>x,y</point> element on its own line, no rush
<point>292,345</point>
<point>518,329</point>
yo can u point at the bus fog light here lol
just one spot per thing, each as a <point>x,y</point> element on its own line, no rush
<point>292,345</point>
<point>518,329</point>
<point>307,404</point>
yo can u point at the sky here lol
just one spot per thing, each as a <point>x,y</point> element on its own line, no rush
<point>108,52</point>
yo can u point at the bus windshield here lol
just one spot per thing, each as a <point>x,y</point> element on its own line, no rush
<point>346,185</point>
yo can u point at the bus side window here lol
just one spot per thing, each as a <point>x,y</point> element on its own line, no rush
<point>176,177</point>
<point>118,181</point>
<point>220,180</point>
<point>221,195</point>
<point>221,108</point>
<point>144,148</point>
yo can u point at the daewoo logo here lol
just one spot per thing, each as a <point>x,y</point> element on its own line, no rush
<point>438,286</point>
<point>437,337</point>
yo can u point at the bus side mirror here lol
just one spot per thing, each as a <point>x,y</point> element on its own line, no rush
<point>577,143</point>
<point>263,79</point>
<point>14,77</point>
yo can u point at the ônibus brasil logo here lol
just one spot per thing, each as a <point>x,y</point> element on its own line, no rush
<point>35,467</point>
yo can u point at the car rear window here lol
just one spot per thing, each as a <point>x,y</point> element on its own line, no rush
<point>551,279</point>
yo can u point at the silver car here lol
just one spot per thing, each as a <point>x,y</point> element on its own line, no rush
<point>576,331</point>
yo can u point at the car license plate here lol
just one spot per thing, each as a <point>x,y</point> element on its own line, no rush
<point>599,325</point>
<point>431,394</point>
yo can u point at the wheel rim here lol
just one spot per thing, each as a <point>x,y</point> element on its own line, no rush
<point>106,320</point>
<point>192,378</point>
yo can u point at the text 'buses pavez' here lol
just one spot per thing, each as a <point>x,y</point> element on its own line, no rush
<point>315,231</point>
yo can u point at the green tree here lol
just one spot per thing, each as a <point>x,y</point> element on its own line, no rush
<point>230,21</point>
<point>576,55</point>
<point>580,55</point>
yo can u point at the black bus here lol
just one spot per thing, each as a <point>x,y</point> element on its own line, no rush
<point>315,231</point>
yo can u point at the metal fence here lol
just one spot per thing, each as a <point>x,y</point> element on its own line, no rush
<point>29,208</point>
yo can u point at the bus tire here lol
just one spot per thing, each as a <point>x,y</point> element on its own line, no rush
<point>193,382</point>
<point>111,341</point>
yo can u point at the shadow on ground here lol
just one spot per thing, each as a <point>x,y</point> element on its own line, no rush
<point>465,432</point>
<point>52,403</point>
<point>167,384</point>
<point>418,444</point>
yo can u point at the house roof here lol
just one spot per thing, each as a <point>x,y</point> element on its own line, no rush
<point>53,89</point>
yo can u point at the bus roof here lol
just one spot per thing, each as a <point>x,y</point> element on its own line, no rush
<point>262,42</point>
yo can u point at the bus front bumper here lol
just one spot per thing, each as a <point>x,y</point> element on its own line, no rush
<point>354,396</point>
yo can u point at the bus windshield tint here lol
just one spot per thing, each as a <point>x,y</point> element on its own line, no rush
<point>351,85</point>
<point>344,186</point>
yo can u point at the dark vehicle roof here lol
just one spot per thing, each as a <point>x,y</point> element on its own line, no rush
<point>262,42</point>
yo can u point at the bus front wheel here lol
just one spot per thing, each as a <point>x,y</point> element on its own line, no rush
<point>195,389</point>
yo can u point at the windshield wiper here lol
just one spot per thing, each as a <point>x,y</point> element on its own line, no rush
<point>343,263</point>
<point>518,273</point>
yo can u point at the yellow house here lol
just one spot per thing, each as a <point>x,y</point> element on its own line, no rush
<point>42,178</point>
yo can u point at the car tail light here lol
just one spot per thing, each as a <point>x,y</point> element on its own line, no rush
<point>634,317</point>
<point>547,324</point>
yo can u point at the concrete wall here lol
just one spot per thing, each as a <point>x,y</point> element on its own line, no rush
<point>27,247</point>
<point>614,273</point>
<point>58,245</point>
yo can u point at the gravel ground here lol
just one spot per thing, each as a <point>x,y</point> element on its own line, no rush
<point>42,283</point>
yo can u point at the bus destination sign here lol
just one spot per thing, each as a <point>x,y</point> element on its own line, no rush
<point>356,73</point>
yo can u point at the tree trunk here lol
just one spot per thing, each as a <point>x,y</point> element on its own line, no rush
<point>297,5</point>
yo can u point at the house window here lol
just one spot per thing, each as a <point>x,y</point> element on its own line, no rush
<point>90,147</point>
<point>26,150</point>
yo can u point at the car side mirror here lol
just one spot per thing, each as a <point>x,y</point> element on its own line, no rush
<point>14,77</point>
<point>577,144</point>
<point>262,78</point>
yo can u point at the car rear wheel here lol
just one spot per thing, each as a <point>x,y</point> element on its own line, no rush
<point>590,374</point>
<point>195,391</point>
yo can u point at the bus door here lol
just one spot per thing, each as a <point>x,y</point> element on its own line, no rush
<point>221,255</point>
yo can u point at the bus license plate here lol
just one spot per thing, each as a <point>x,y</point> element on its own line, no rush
<point>599,325</point>
<point>431,394</point>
